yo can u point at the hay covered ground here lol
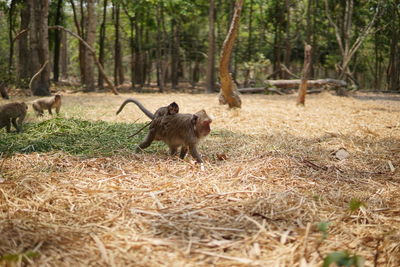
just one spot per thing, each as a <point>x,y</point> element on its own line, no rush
<point>281,197</point>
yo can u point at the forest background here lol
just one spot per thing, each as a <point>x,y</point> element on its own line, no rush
<point>163,43</point>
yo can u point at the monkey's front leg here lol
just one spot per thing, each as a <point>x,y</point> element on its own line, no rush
<point>195,154</point>
<point>147,141</point>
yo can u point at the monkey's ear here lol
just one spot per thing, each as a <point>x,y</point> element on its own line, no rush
<point>194,119</point>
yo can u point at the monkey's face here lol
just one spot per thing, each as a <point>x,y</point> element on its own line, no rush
<point>203,122</point>
<point>173,108</point>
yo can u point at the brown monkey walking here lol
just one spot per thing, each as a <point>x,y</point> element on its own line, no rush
<point>47,103</point>
<point>171,109</point>
<point>10,113</point>
<point>179,130</point>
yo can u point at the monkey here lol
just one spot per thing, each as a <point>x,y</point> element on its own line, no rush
<point>179,130</point>
<point>47,103</point>
<point>10,113</point>
<point>171,109</point>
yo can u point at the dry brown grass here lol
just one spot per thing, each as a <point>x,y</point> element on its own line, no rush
<point>259,207</point>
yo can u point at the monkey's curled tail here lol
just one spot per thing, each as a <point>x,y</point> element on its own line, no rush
<point>142,108</point>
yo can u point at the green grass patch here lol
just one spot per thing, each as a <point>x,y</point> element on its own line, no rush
<point>74,136</point>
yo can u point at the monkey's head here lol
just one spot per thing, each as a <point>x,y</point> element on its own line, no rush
<point>201,122</point>
<point>57,97</point>
<point>24,105</point>
<point>173,108</point>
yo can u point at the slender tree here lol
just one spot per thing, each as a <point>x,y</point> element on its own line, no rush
<point>229,93</point>
<point>210,79</point>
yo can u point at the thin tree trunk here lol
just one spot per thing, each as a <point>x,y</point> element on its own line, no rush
<point>210,78</point>
<point>393,70</point>
<point>118,69</point>
<point>64,55</point>
<point>174,54</point>
<point>138,53</point>
<point>90,39</point>
<point>159,52</point>
<point>39,44</point>
<point>229,93</point>
<point>57,43</point>
<point>306,75</point>
<point>249,44</point>
<point>23,58</point>
<point>288,46</point>
<point>102,37</point>
<point>93,53</point>
<point>10,35</point>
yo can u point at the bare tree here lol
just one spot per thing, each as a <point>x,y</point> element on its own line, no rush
<point>210,79</point>
<point>344,37</point>
<point>229,93</point>
<point>306,75</point>
<point>39,46</point>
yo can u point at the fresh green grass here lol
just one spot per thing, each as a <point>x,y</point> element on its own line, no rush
<point>74,136</point>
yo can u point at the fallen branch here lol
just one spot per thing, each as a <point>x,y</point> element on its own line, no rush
<point>310,83</point>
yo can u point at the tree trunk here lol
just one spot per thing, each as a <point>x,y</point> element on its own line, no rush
<point>393,70</point>
<point>210,79</point>
<point>229,93</point>
<point>23,58</point>
<point>93,53</point>
<point>288,45</point>
<point>10,36</point>
<point>100,80</point>
<point>80,29</point>
<point>57,43</point>
<point>305,76</point>
<point>118,69</point>
<point>64,55</point>
<point>249,45</point>
<point>39,46</point>
<point>159,52</point>
<point>277,46</point>
<point>174,54</point>
<point>90,39</point>
<point>138,53</point>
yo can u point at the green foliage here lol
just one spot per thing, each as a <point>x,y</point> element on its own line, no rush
<point>9,258</point>
<point>74,136</point>
<point>343,258</point>
<point>355,204</point>
<point>323,227</point>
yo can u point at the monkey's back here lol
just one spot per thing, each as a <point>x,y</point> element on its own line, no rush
<point>175,130</point>
<point>12,110</point>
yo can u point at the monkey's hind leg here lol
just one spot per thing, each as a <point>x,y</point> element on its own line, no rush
<point>38,110</point>
<point>184,150</point>
<point>18,127</point>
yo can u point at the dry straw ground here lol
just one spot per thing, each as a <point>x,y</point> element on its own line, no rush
<point>258,207</point>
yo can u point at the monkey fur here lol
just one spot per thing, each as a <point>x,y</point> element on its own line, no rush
<point>47,103</point>
<point>9,113</point>
<point>179,130</point>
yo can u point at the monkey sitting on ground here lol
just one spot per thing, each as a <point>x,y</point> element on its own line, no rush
<point>179,130</point>
<point>171,109</point>
<point>10,113</point>
<point>47,103</point>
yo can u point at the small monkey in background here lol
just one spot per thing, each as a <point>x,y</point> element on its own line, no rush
<point>9,113</point>
<point>171,109</point>
<point>179,130</point>
<point>47,103</point>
